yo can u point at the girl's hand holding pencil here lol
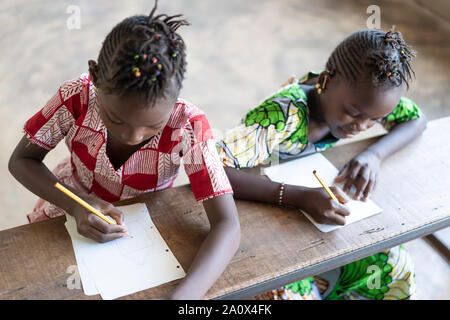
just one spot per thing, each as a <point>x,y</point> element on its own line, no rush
<point>93,227</point>
<point>91,214</point>
<point>318,203</point>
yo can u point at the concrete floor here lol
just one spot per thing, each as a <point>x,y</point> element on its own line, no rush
<point>238,52</point>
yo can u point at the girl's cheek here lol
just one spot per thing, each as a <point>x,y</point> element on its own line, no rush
<point>342,119</point>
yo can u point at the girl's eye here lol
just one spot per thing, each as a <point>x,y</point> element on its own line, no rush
<point>115,122</point>
<point>351,114</point>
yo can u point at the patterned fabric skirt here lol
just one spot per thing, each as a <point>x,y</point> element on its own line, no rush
<point>388,275</point>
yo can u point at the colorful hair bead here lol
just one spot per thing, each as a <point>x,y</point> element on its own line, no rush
<point>174,54</point>
<point>136,71</point>
<point>144,56</point>
<point>154,60</point>
<point>160,66</point>
<point>389,74</point>
<point>157,36</point>
<point>136,57</point>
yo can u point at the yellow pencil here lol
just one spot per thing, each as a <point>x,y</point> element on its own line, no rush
<point>330,193</point>
<point>84,203</point>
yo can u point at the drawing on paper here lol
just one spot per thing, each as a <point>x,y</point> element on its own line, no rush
<point>139,247</point>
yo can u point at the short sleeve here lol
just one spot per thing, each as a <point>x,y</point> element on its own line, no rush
<point>405,110</point>
<point>277,125</point>
<point>52,123</point>
<point>201,161</point>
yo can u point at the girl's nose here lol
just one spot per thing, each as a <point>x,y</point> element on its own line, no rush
<point>132,136</point>
<point>364,125</point>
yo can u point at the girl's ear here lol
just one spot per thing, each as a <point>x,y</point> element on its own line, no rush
<point>93,71</point>
<point>324,79</point>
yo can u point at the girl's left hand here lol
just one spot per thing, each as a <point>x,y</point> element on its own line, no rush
<point>362,172</point>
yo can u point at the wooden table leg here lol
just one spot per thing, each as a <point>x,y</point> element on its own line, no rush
<point>439,246</point>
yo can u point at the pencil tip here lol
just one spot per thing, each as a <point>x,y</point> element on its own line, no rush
<point>314,171</point>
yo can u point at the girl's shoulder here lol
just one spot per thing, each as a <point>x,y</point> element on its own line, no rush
<point>76,93</point>
<point>75,86</point>
<point>185,112</point>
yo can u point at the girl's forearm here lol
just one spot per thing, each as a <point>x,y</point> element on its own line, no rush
<point>400,136</point>
<point>216,251</point>
<point>214,255</point>
<point>37,178</point>
<point>251,187</point>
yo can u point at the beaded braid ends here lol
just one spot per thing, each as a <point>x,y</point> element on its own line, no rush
<point>381,58</point>
<point>395,67</point>
<point>143,55</point>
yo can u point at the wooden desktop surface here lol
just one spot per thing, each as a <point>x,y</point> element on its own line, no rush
<point>278,246</point>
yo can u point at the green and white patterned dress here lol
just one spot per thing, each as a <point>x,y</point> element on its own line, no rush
<point>279,126</point>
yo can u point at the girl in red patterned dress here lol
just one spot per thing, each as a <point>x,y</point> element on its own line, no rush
<point>126,130</point>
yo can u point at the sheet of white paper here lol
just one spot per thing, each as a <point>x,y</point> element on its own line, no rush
<point>300,172</point>
<point>124,266</point>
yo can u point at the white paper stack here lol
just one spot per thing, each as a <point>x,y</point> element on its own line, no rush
<point>300,172</point>
<point>125,266</point>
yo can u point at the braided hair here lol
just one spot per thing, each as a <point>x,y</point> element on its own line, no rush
<point>143,55</point>
<point>380,58</point>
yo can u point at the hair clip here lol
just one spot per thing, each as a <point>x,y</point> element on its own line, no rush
<point>136,71</point>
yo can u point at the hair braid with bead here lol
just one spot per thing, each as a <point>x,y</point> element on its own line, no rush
<point>143,55</point>
<point>382,58</point>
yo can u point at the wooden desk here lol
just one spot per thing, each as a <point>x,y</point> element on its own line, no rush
<point>278,245</point>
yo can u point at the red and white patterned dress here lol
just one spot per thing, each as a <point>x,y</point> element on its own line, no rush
<point>72,113</point>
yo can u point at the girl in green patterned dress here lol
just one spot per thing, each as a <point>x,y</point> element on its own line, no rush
<point>362,85</point>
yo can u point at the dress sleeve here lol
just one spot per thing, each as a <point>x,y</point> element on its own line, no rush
<point>405,110</point>
<point>201,162</point>
<point>278,124</point>
<point>52,123</point>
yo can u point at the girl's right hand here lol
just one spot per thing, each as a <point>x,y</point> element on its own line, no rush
<point>95,228</point>
<point>318,204</point>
